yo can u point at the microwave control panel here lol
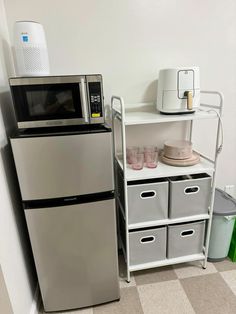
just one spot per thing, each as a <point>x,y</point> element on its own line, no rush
<point>96,101</point>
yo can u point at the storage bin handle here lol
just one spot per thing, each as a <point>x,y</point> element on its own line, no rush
<point>192,189</point>
<point>187,233</point>
<point>148,194</point>
<point>147,239</point>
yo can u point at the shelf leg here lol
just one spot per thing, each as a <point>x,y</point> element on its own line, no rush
<point>204,264</point>
<point>128,274</point>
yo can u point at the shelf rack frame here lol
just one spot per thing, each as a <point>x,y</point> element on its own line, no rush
<point>206,111</point>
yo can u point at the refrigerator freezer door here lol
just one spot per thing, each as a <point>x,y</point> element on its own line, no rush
<point>60,166</point>
<point>75,253</point>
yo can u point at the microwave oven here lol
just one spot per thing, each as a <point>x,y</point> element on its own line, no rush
<point>57,100</point>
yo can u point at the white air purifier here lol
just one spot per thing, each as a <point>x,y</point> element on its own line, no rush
<point>31,53</point>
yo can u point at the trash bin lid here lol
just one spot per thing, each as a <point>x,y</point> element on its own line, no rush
<point>224,204</point>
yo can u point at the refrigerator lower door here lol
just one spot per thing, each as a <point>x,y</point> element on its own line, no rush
<point>61,166</point>
<point>75,253</point>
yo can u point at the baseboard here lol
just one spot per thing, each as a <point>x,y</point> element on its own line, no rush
<point>35,307</point>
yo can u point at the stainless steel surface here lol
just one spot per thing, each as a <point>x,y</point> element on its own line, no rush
<point>47,123</point>
<point>75,252</point>
<point>45,80</point>
<point>94,78</point>
<point>60,166</point>
<point>84,102</point>
<point>15,81</point>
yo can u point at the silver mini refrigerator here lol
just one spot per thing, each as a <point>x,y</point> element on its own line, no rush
<point>67,187</point>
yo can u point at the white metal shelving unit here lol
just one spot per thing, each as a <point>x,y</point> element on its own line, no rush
<point>145,113</point>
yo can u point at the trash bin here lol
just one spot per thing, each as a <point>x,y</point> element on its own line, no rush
<point>224,213</point>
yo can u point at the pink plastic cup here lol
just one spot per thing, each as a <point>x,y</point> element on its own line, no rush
<point>138,162</point>
<point>131,153</point>
<point>151,160</point>
<point>148,150</point>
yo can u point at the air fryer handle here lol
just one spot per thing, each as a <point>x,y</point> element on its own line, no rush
<point>189,96</point>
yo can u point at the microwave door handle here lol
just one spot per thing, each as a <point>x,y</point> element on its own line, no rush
<point>84,101</point>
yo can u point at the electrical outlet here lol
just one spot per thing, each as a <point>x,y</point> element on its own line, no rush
<point>229,189</point>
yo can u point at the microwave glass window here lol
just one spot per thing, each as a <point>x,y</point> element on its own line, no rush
<point>48,102</point>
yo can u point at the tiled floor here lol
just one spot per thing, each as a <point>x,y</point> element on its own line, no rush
<point>181,289</point>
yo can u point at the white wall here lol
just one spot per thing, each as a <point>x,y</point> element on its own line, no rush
<point>15,256</point>
<point>128,41</point>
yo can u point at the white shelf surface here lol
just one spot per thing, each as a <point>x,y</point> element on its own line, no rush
<point>146,113</point>
<point>162,170</point>
<point>168,261</point>
<point>162,222</point>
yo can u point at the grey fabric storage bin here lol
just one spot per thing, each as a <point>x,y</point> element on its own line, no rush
<point>147,245</point>
<point>148,201</point>
<point>185,239</point>
<point>189,195</point>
